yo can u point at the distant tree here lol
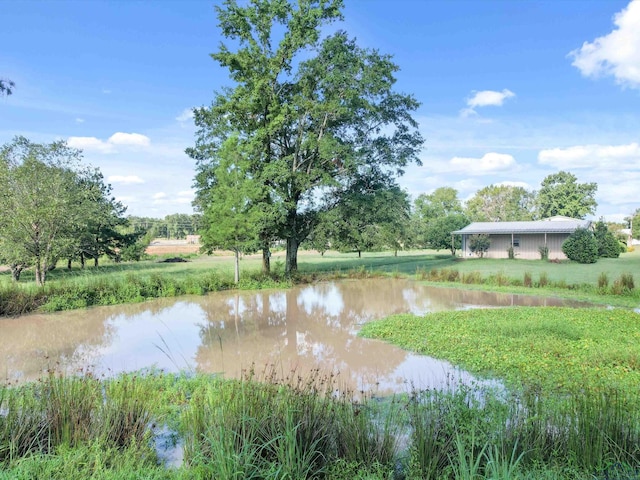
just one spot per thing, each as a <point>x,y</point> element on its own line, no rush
<point>371,216</point>
<point>581,246</point>
<point>442,202</point>
<point>230,221</point>
<point>479,244</point>
<point>101,218</point>
<point>561,194</point>
<point>6,87</point>
<point>39,195</point>
<point>501,203</point>
<point>438,232</point>
<point>608,245</point>
<point>431,207</point>
<point>313,111</point>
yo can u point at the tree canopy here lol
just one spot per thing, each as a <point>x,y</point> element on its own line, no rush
<point>311,112</point>
<point>561,194</point>
<point>51,207</point>
<point>231,219</point>
<point>501,203</point>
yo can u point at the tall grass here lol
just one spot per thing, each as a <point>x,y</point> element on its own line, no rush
<point>308,428</point>
<point>623,286</point>
<point>292,428</point>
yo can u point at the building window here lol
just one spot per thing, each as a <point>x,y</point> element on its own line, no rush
<point>516,240</point>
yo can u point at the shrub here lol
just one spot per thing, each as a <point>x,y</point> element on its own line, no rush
<point>581,246</point>
<point>627,280</point>
<point>472,277</point>
<point>544,252</point>
<point>608,245</point>
<point>527,282</point>
<point>511,253</point>
<point>543,281</point>
<point>603,281</point>
<point>479,244</point>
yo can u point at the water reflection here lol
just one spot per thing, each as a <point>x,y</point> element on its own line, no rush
<point>297,329</point>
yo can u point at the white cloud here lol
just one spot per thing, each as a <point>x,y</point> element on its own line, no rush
<point>79,120</point>
<point>489,163</point>
<point>106,91</point>
<point>89,143</point>
<point>185,116</point>
<point>617,53</point>
<point>125,179</point>
<point>159,196</point>
<point>486,98</point>
<point>137,139</point>
<point>118,138</point>
<point>592,156</point>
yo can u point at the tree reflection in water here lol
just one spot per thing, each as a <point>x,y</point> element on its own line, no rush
<point>301,329</point>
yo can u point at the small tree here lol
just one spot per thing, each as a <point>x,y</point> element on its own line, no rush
<point>608,245</point>
<point>581,246</point>
<point>479,244</point>
<point>231,220</point>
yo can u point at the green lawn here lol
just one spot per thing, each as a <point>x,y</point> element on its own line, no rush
<point>570,272</point>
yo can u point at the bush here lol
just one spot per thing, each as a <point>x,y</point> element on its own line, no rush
<point>608,245</point>
<point>603,281</point>
<point>511,253</point>
<point>527,282</point>
<point>544,252</point>
<point>581,246</point>
<point>479,244</point>
<point>544,279</point>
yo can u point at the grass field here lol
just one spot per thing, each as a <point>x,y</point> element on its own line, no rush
<point>113,283</point>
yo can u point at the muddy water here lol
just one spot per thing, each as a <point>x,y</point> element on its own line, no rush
<point>297,329</point>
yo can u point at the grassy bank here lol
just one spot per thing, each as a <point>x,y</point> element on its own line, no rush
<point>305,428</point>
<point>562,350</point>
<point>134,282</point>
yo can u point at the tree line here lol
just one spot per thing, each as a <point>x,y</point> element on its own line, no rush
<point>52,207</point>
<point>175,226</point>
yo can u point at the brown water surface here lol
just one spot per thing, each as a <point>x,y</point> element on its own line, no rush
<point>303,328</point>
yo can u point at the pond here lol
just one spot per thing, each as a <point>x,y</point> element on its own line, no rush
<point>300,329</point>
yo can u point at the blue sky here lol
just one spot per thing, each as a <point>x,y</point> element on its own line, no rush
<point>511,91</point>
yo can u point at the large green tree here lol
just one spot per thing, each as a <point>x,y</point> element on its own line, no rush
<point>369,217</point>
<point>39,193</point>
<point>501,203</point>
<point>312,112</point>
<point>561,194</point>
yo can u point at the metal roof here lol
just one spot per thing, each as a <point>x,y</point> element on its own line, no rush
<point>540,226</point>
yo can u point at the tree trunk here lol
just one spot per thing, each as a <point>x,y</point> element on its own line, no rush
<point>41,272</point>
<point>69,264</point>
<point>95,261</point>
<point>82,260</point>
<point>236,272</point>
<point>359,254</point>
<point>292,256</point>
<point>16,270</point>
<point>266,261</point>
<point>395,252</point>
